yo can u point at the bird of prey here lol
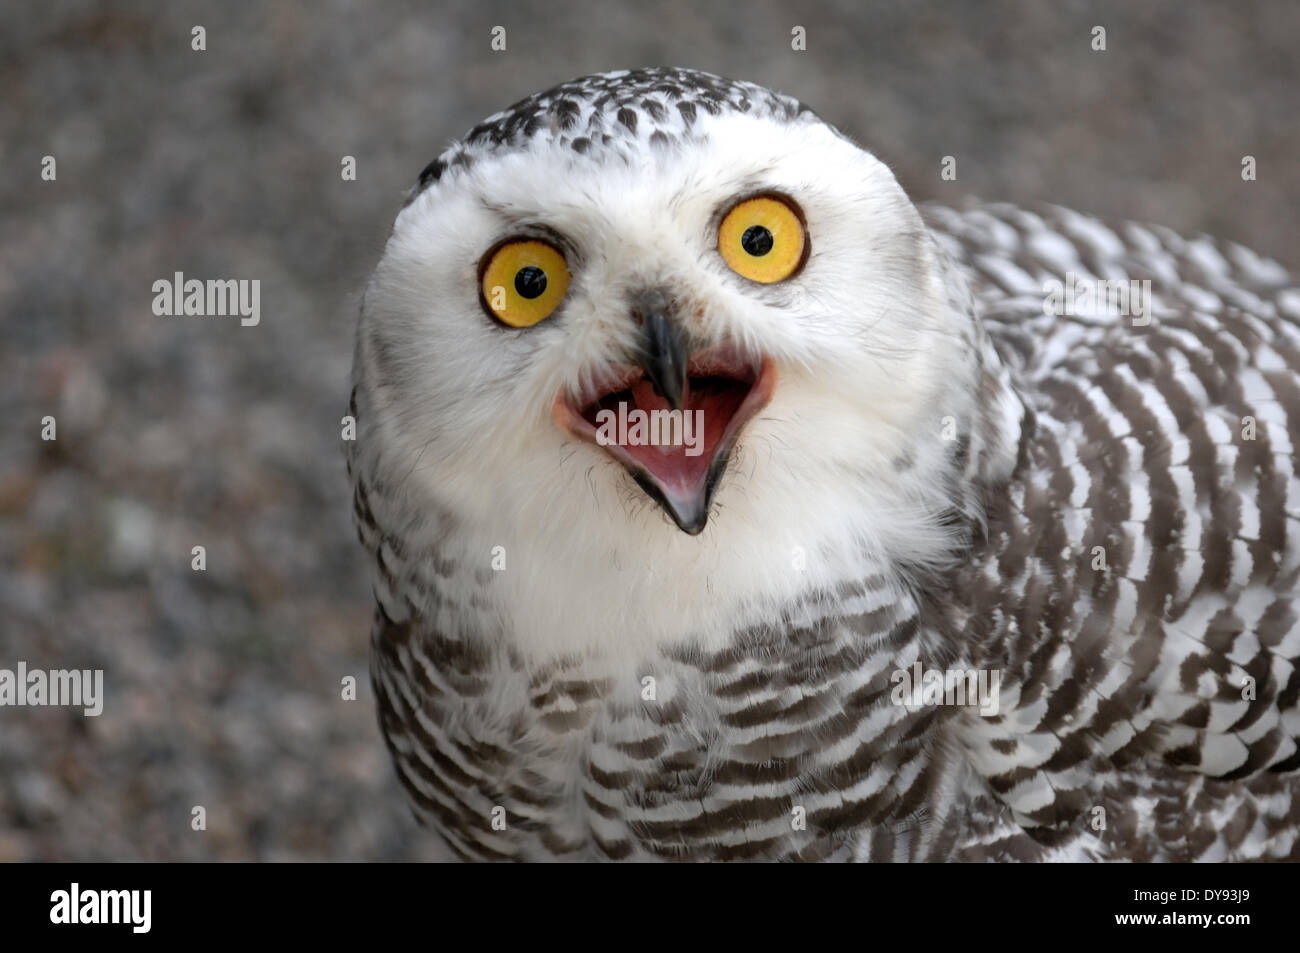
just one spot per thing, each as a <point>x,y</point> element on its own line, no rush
<point>724,504</point>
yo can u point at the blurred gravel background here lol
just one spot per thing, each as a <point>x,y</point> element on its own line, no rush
<point>223,687</point>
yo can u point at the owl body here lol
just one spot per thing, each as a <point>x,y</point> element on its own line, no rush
<point>588,653</point>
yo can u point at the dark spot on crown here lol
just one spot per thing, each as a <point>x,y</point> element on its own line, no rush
<point>659,139</point>
<point>485,130</point>
<point>432,172</point>
<point>566,113</point>
<point>581,144</point>
<point>515,122</point>
<point>654,109</point>
<point>687,109</point>
<point>628,118</point>
<point>711,104</point>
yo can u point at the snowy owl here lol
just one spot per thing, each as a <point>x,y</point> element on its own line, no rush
<point>724,504</point>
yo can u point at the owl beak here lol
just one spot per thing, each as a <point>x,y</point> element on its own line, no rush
<point>662,353</point>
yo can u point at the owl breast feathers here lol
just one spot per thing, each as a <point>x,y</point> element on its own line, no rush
<point>724,504</point>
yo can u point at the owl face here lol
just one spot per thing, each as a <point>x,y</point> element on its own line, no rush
<point>757,293</point>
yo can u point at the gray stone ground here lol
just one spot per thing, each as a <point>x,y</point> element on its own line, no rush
<point>223,686</point>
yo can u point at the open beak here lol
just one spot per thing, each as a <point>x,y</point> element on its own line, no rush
<point>671,418</point>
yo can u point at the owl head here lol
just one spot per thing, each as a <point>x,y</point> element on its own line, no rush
<point>660,317</point>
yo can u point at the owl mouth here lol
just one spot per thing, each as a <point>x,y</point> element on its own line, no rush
<point>677,455</point>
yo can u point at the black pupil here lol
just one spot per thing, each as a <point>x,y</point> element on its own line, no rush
<point>757,240</point>
<point>530,281</point>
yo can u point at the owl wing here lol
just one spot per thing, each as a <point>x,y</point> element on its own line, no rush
<point>1137,586</point>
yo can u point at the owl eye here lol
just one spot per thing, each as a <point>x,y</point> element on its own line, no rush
<point>522,282</point>
<point>763,239</point>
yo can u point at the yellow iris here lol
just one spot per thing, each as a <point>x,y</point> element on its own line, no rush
<point>762,239</point>
<point>524,282</point>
